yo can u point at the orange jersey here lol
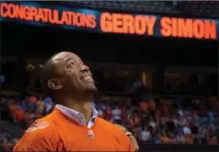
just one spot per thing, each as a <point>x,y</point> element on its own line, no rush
<point>57,132</point>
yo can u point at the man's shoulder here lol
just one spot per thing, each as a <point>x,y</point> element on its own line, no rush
<point>42,134</point>
<point>110,125</point>
<point>116,131</point>
<point>39,125</point>
<point>45,124</point>
<point>104,122</point>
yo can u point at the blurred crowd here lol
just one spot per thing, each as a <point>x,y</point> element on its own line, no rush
<point>7,141</point>
<point>188,121</point>
<point>22,113</point>
<point>151,119</point>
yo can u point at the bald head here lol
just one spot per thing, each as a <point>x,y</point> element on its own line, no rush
<point>52,66</point>
<point>65,71</point>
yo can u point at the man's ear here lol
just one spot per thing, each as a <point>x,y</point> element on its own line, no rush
<point>54,84</point>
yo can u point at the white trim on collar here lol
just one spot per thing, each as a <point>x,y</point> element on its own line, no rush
<point>77,116</point>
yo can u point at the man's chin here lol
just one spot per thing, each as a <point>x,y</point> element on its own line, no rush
<point>92,90</point>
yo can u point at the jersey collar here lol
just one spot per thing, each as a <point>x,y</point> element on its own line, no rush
<point>77,116</point>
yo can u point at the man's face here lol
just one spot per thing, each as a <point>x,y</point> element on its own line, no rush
<point>76,76</point>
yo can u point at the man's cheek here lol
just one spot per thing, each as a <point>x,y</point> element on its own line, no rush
<point>78,83</point>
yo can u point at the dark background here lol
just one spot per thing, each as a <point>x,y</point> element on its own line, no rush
<point>22,41</point>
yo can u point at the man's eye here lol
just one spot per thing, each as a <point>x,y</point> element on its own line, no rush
<point>70,65</point>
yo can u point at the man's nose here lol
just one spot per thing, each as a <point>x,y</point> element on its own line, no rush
<point>84,68</point>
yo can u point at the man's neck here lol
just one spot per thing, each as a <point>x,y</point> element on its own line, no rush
<point>83,107</point>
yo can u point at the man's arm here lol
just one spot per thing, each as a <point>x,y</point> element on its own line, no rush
<point>132,139</point>
<point>39,137</point>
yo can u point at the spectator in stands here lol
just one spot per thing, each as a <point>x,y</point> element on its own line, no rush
<point>117,115</point>
<point>145,135</point>
<point>40,106</point>
<point>48,104</point>
<point>7,141</point>
<point>108,114</point>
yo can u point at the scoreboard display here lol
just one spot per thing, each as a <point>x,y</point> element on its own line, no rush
<point>109,22</point>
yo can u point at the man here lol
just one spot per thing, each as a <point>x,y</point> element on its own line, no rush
<point>73,125</point>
